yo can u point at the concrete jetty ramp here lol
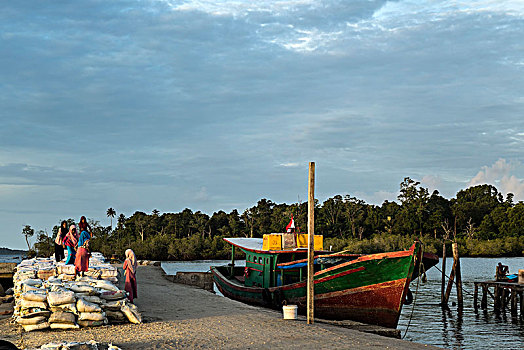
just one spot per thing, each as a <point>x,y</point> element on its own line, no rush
<point>178,316</point>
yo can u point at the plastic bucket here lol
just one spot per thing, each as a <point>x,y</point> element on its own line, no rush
<point>290,312</point>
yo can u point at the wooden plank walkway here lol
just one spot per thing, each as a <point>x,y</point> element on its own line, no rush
<point>504,295</point>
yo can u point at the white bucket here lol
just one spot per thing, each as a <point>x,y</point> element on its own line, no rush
<point>290,312</point>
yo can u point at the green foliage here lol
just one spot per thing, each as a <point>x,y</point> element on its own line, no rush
<point>44,245</point>
<point>509,246</point>
<point>486,225</point>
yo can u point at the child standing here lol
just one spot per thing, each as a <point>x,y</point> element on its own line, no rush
<point>130,265</point>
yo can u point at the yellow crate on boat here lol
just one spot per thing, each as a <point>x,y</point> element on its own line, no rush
<point>289,241</point>
<point>302,239</point>
<point>272,242</point>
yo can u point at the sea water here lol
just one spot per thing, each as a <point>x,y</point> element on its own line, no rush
<point>10,258</point>
<point>427,322</point>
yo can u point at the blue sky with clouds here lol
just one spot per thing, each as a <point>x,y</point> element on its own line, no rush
<point>212,105</point>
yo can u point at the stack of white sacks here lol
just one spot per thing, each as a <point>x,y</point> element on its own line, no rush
<point>48,295</point>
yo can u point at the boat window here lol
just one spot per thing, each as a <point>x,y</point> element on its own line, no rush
<point>260,260</point>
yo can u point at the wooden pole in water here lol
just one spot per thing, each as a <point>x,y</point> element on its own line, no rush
<point>443,284</point>
<point>450,284</point>
<point>484,302</point>
<point>476,297</point>
<point>513,302</point>
<point>521,295</point>
<point>311,244</point>
<point>458,275</point>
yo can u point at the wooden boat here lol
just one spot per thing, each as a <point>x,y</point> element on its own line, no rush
<point>365,288</point>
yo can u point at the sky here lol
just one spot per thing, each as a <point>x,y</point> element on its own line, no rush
<point>214,104</point>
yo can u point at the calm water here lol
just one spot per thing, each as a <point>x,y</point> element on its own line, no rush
<point>429,324</point>
<point>7,258</point>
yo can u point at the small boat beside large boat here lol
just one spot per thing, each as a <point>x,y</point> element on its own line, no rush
<point>367,288</point>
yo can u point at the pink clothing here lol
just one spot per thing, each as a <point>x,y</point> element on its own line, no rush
<point>71,238</point>
<point>130,255</point>
<point>82,260</point>
<point>130,285</point>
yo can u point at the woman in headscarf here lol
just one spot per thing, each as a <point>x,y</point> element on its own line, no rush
<point>83,225</point>
<point>82,253</point>
<point>59,241</point>
<point>70,242</point>
<point>130,265</point>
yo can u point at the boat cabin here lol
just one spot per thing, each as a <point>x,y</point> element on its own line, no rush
<point>272,268</point>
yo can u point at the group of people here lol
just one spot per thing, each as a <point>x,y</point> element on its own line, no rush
<point>77,244</point>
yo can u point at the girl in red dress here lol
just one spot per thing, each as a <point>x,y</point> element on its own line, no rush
<point>82,253</point>
<point>130,265</point>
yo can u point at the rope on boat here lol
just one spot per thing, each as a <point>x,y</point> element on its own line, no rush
<point>416,290</point>
<point>454,282</point>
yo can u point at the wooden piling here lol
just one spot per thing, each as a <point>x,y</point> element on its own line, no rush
<point>443,284</point>
<point>513,302</point>
<point>450,286</point>
<point>475,297</point>
<point>521,293</point>
<point>456,263</point>
<point>484,302</point>
<point>497,298</point>
<point>311,247</point>
<point>503,298</point>
<point>505,294</point>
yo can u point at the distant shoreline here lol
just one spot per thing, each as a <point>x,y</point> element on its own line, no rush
<point>12,251</point>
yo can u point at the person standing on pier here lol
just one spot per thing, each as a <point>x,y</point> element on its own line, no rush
<point>59,241</point>
<point>82,253</point>
<point>130,265</point>
<point>70,242</point>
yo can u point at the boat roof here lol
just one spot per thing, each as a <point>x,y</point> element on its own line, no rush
<point>255,245</point>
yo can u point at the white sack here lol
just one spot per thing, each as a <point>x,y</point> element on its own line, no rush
<point>60,298</point>
<point>35,327</point>
<point>85,306</point>
<point>62,317</point>
<point>91,316</point>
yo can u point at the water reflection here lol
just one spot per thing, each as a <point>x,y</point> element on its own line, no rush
<point>466,329</point>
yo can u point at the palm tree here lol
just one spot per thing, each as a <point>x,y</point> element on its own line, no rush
<point>111,214</point>
<point>28,232</point>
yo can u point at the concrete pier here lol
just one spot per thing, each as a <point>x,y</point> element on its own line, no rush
<point>178,316</point>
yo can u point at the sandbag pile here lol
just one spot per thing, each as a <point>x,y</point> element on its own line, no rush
<point>60,301</point>
<point>91,345</point>
<point>98,268</point>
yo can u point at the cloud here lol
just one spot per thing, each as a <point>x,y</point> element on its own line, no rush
<point>202,195</point>
<point>491,174</point>
<point>499,175</point>
<point>289,165</point>
<point>156,104</point>
<point>432,182</point>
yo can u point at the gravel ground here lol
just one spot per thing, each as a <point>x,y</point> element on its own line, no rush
<point>177,316</point>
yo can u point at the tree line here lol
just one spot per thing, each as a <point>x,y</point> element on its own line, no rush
<point>479,218</point>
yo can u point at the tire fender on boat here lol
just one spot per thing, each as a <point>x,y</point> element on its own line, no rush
<point>266,296</point>
<point>278,298</point>
<point>408,298</point>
